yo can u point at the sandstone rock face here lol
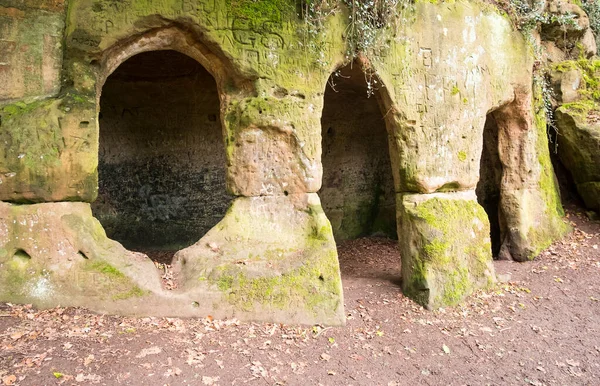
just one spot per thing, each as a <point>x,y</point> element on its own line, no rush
<point>445,247</point>
<point>54,254</point>
<point>570,84</point>
<point>31,43</point>
<point>270,256</point>
<point>578,125</point>
<point>241,120</point>
<point>578,151</point>
<point>50,151</point>
<point>578,144</point>
<point>567,26</point>
<point>57,253</point>
<point>530,207</point>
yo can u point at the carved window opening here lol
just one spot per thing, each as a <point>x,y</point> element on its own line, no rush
<point>162,162</point>
<point>490,179</point>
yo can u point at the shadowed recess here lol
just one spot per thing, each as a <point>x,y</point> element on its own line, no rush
<point>358,190</point>
<point>490,178</point>
<point>161,156</point>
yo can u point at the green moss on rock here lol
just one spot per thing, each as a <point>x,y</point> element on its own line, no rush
<point>105,268</point>
<point>47,154</point>
<point>453,251</point>
<point>261,10</point>
<point>590,73</point>
<point>554,228</point>
<point>313,286</point>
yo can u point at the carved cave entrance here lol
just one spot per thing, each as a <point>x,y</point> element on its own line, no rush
<point>161,158</point>
<point>490,178</point>
<point>357,193</point>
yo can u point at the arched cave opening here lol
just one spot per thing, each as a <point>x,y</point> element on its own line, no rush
<point>490,178</point>
<point>357,192</point>
<point>162,162</point>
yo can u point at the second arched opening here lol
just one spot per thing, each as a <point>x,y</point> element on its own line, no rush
<point>357,192</point>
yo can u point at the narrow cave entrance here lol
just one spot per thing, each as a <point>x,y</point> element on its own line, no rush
<point>490,179</point>
<point>357,193</point>
<point>161,157</point>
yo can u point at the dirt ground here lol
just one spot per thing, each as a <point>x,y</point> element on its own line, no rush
<point>540,327</point>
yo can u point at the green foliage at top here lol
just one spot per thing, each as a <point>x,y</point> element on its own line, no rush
<point>367,19</point>
<point>528,16</point>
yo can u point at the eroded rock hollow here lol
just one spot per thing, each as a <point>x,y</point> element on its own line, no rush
<point>162,162</point>
<point>248,137</point>
<point>358,187</point>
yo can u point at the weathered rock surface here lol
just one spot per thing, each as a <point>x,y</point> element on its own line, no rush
<point>262,262</point>
<point>270,256</point>
<point>49,151</point>
<point>579,150</point>
<point>530,205</point>
<point>31,48</point>
<point>438,74</point>
<point>57,253</point>
<point>578,125</point>
<point>445,247</point>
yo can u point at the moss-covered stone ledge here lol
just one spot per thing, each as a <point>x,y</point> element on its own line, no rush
<point>445,247</point>
<point>58,254</point>
<point>271,258</point>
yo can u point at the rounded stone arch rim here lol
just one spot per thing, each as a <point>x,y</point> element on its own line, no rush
<point>169,38</point>
<point>382,94</point>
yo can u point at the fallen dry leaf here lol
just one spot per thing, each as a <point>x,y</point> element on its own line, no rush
<point>9,380</point>
<point>149,351</point>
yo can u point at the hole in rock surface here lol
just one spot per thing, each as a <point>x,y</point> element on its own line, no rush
<point>161,157</point>
<point>22,254</point>
<point>358,194</point>
<point>490,178</point>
